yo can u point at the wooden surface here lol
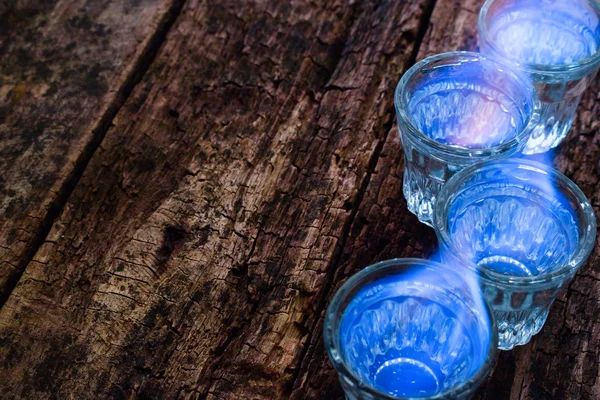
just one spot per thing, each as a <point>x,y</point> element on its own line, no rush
<point>66,67</point>
<point>184,185</point>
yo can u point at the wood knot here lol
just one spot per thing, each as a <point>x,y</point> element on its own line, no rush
<point>173,237</point>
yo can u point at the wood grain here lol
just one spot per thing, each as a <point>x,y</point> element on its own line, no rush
<point>193,256</point>
<point>252,170</point>
<point>66,67</point>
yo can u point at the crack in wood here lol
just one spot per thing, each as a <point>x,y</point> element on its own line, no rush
<point>55,208</point>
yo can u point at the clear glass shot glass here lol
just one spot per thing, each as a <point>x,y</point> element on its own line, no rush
<point>455,109</point>
<point>557,43</point>
<point>526,228</point>
<point>409,328</point>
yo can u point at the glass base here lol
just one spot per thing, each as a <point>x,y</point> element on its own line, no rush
<point>420,192</point>
<point>516,328</point>
<point>556,120</point>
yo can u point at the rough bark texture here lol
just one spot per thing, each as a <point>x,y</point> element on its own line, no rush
<point>252,170</point>
<point>193,256</point>
<point>65,68</point>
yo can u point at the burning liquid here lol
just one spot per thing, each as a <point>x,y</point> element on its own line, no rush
<point>514,228</point>
<point>535,34</point>
<point>408,337</point>
<point>555,41</point>
<point>471,115</point>
<point>462,102</point>
<point>516,221</point>
<point>472,103</point>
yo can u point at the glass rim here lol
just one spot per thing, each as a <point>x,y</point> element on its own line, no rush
<point>405,121</point>
<point>585,244</point>
<point>543,69</point>
<point>331,326</point>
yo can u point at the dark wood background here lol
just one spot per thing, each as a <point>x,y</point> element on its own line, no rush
<point>184,184</point>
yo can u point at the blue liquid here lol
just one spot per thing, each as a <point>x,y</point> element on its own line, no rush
<point>407,374</point>
<point>409,345</point>
<point>516,220</point>
<point>515,228</point>
<point>547,34</point>
<point>478,116</point>
<point>470,103</point>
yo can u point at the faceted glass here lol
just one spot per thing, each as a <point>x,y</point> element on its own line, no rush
<point>455,109</point>
<point>526,228</point>
<point>410,328</point>
<point>555,42</point>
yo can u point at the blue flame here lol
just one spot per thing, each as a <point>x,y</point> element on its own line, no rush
<point>546,32</point>
<point>514,220</point>
<point>557,43</point>
<point>417,333</point>
<point>473,103</point>
<point>525,228</point>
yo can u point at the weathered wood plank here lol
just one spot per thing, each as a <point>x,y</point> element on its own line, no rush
<point>65,68</point>
<point>195,253</point>
<point>383,229</point>
<point>562,361</point>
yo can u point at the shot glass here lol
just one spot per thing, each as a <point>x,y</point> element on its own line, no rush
<point>556,42</point>
<point>526,228</point>
<point>409,328</point>
<point>456,109</point>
